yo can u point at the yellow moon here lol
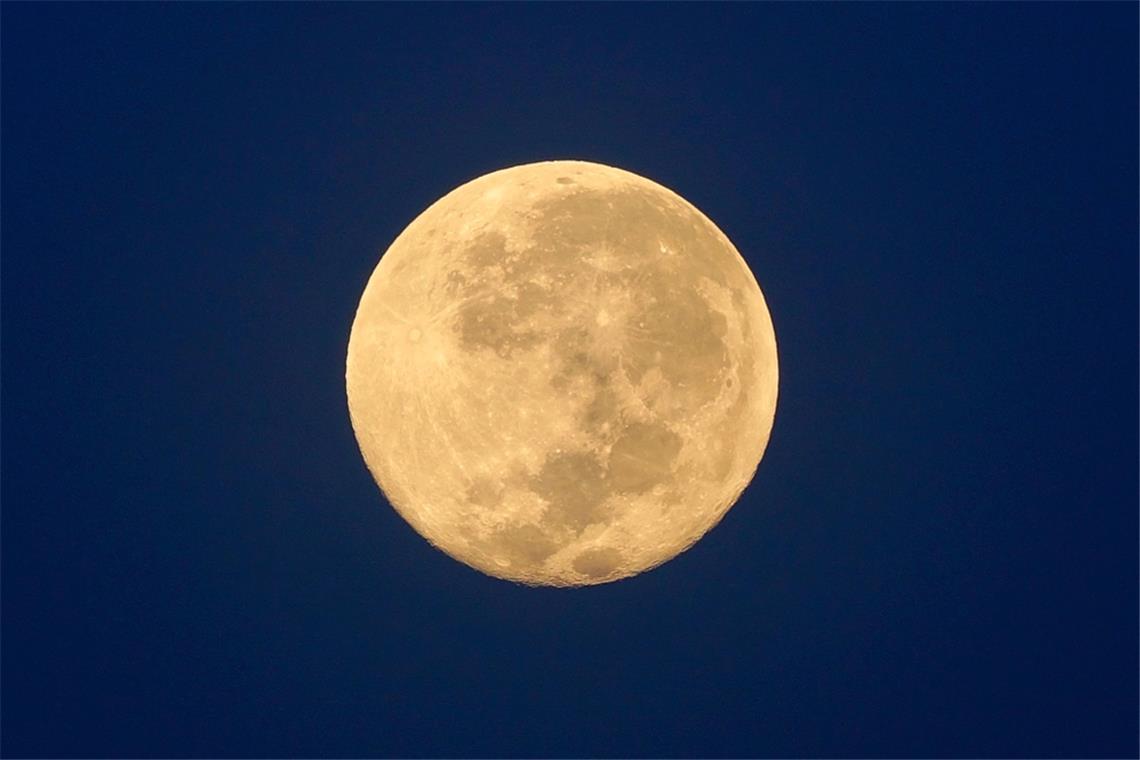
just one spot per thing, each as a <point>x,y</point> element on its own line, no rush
<point>562,374</point>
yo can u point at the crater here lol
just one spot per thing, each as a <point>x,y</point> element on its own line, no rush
<point>598,563</point>
<point>642,457</point>
<point>564,181</point>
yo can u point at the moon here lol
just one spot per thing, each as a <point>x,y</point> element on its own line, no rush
<point>562,374</point>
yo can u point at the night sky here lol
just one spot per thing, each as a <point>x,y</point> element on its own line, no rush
<point>937,557</point>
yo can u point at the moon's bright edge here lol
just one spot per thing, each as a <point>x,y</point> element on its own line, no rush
<point>562,374</point>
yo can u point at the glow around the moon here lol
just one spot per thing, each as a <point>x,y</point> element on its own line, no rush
<point>562,373</point>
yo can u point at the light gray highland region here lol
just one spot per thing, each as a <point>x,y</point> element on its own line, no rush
<point>562,374</point>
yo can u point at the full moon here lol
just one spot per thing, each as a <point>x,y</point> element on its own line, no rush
<point>562,374</point>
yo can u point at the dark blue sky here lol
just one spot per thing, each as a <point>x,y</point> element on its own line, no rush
<point>937,557</point>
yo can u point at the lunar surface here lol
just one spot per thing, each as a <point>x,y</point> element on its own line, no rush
<point>562,374</point>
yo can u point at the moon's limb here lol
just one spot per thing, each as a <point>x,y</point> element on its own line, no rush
<point>562,373</point>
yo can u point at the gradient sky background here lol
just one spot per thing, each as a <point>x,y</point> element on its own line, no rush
<point>938,555</point>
